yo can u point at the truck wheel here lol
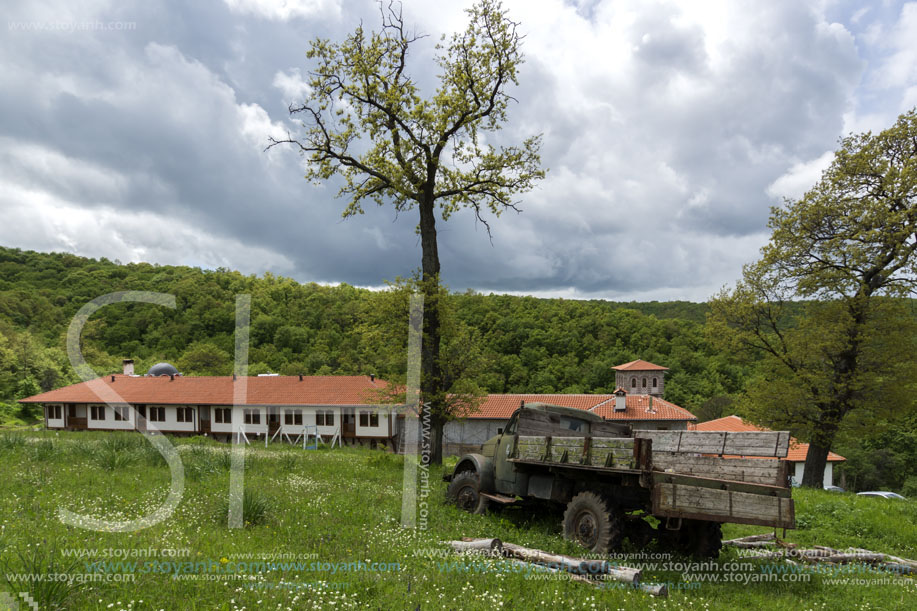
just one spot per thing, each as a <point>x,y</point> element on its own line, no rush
<point>464,491</point>
<point>699,538</point>
<point>590,521</point>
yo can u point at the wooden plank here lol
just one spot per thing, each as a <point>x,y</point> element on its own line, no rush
<point>612,452</point>
<point>609,429</point>
<point>530,447</point>
<point>720,484</point>
<point>567,449</point>
<point>753,470</point>
<point>773,444</point>
<point>676,500</point>
<point>537,422</point>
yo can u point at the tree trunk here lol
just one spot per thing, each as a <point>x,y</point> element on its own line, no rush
<point>816,458</point>
<point>430,371</point>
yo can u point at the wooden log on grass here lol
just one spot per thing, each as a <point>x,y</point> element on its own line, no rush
<point>749,544</point>
<point>579,566</point>
<point>655,589</point>
<point>490,546</point>
<point>751,539</point>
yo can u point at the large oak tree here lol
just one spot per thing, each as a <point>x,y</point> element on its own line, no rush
<point>366,121</point>
<point>847,248</point>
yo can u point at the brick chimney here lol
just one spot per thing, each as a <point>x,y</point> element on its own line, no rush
<point>128,365</point>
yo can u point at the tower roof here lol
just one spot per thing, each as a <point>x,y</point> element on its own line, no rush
<point>639,365</point>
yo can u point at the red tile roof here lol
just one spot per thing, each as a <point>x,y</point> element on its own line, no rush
<point>215,390</point>
<point>639,365</point>
<point>796,453</point>
<point>503,406</point>
<point>638,408</point>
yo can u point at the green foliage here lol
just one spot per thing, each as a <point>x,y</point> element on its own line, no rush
<point>256,508</point>
<point>849,246</point>
<point>492,343</point>
<point>41,559</point>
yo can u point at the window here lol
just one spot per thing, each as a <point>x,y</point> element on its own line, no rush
<point>572,424</point>
<point>644,382</point>
<point>654,382</point>
<point>292,417</point>
<point>157,414</point>
<point>54,412</point>
<point>324,418</point>
<point>252,416</point>
<point>122,413</point>
<point>369,419</point>
<point>185,414</point>
<point>97,412</point>
<point>633,383</point>
<point>222,415</point>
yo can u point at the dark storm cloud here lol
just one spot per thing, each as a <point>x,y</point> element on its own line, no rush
<point>665,127</point>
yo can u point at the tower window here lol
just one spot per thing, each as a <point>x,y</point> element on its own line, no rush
<point>644,382</point>
<point>654,382</point>
<point>633,383</point>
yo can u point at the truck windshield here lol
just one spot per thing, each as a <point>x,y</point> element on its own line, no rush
<point>573,425</point>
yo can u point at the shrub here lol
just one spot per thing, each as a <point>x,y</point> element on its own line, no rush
<point>255,508</point>
<point>40,559</point>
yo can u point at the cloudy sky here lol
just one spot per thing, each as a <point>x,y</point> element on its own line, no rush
<point>136,131</point>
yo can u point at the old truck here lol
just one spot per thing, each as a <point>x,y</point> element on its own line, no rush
<point>676,486</point>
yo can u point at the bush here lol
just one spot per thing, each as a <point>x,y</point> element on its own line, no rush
<point>909,489</point>
<point>110,459</point>
<point>40,559</point>
<point>42,450</point>
<point>11,441</point>
<point>255,508</point>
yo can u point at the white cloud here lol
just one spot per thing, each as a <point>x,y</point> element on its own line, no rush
<point>800,177</point>
<point>284,10</point>
<point>38,220</point>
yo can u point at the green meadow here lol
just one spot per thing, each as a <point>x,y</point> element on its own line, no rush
<point>322,530</point>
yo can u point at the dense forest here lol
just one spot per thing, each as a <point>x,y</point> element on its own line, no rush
<point>517,344</point>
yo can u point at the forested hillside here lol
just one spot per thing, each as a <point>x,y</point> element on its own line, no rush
<point>500,343</point>
<point>524,344</point>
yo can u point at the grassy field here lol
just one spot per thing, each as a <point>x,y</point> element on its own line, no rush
<point>326,527</point>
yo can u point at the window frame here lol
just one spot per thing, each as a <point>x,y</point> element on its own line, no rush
<point>222,415</point>
<point>184,414</point>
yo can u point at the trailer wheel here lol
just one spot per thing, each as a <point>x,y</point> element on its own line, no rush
<point>593,523</point>
<point>465,492</point>
<point>699,538</point>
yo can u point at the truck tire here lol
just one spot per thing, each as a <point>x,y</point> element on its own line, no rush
<point>465,492</point>
<point>593,523</point>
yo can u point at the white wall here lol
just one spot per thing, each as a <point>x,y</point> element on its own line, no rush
<point>238,420</point>
<point>471,430</point>
<point>171,422</point>
<point>57,422</point>
<point>799,469</point>
<point>324,429</point>
<point>372,431</point>
<point>220,427</point>
<point>109,422</point>
<point>308,420</point>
